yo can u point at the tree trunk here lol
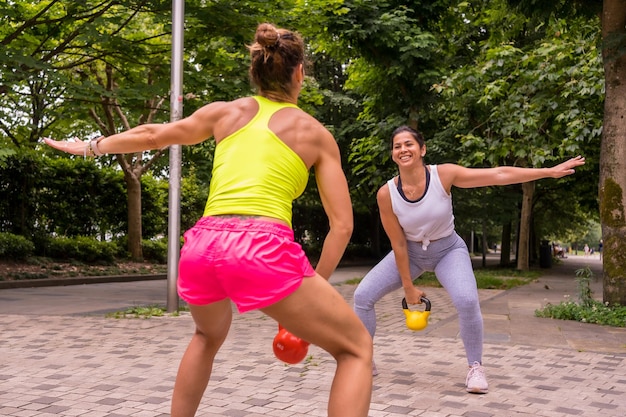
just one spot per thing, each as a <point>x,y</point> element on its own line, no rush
<point>484,243</point>
<point>612,186</point>
<point>505,248</point>
<point>133,185</point>
<point>528,190</point>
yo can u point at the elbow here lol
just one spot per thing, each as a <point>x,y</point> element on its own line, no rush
<point>152,139</point>
<point>343,229</point>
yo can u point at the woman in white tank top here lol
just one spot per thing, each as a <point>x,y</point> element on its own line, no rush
<point>416,213</point>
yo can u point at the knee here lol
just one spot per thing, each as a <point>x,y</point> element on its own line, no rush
<point>468,306</point>
<point>202,339</point>
<point>361,347</point>
<point>208,342</point>
<point>366,351</point>
<point>363,299</point>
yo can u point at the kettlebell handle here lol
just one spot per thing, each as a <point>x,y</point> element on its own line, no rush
<point>423,299</point>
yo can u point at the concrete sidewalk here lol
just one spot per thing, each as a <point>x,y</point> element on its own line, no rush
<point>59,356</point>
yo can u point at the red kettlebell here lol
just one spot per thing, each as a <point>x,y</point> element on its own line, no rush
<point>289,348</point>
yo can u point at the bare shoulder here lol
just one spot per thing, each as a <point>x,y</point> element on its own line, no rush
<point>383,193</point>
<point>230,116</point>
<point>306,123</point>
<point>448,174</point>
<point>447,169</point>
<point>244,104</point>
<point>305,135</point>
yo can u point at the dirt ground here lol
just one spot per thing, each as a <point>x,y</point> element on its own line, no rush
<point>44,268</point>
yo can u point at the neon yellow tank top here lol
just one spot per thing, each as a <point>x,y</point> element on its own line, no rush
<point>256,173</point>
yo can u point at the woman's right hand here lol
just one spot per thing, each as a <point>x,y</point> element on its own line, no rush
<point>73,146</point>
<point>413,295</point>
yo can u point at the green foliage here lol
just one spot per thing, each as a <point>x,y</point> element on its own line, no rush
<point>78,68</point>
<point>193,197</point>
<point>486,278</point>
<point>597,313</point>
<point>155,250</point>
<point>78,198</point>
<point>51,49</point>
<point>81,248</point>
<point>154,203</point>
<point>144,312</point>
<point>20,179</point>
<point>72,197</point>
<point>531,96</point>
<point>583,278</point>
<point>370,161</point>
<point>530,104</point>
<point>586,310</point>
<point>15,246</point>
<point>391,50</point>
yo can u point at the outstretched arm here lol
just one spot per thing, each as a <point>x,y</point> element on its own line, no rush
<point>191,130</point>
<point>482,177</point>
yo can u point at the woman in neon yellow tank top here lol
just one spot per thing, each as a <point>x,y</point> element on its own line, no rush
<point>242,249</point>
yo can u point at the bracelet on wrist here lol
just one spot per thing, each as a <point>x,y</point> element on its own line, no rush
<point>88,152</point>
<point>93,145</point>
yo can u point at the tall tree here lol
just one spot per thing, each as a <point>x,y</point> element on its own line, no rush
<point>613,152</point>
<point>41,43</point>
<point>54,61</point>
<point>389,58</point>
<point>612,182</point>
<point>107,65</point>
<point>527,103</point>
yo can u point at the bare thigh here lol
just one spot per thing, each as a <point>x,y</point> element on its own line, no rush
<point>317,313</point>
<point>213,320</point>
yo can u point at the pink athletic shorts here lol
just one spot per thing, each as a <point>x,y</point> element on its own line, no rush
<point>253,262</point>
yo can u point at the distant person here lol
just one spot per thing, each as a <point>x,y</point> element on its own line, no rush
<point>559,252</point>
<point>586,249</point>
<point>600,246</point>
<point>243,248</point>
<point>416,212</point>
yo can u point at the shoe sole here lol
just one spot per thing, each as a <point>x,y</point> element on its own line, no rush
<point>477,390</point>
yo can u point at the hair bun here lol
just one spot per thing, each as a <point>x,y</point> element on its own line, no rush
<point>267,35</point>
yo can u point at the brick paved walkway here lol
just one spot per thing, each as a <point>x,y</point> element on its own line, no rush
<point>91,366</point>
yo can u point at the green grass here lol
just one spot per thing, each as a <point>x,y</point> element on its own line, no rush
<point>596,312</point>
<point>486,278</point>
<point>145,312</point>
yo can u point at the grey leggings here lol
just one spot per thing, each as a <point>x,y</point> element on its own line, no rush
<point>449,259</point>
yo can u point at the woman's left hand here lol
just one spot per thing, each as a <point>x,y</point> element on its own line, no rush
<point>567,167</point>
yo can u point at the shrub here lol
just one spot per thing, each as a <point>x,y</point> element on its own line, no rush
<point>15,246</point>
<point>587,310</point>
<point>155,250</point>
<point>82,248</point>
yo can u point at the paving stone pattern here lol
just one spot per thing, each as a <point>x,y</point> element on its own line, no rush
<point>91,366</point>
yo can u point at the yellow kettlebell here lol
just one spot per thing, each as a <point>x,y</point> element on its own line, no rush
<point>416,320</point>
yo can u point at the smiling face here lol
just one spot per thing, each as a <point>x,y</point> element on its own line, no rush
<point>406,149</point>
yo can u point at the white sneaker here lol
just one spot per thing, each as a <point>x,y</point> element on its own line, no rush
<point>476,382</point>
